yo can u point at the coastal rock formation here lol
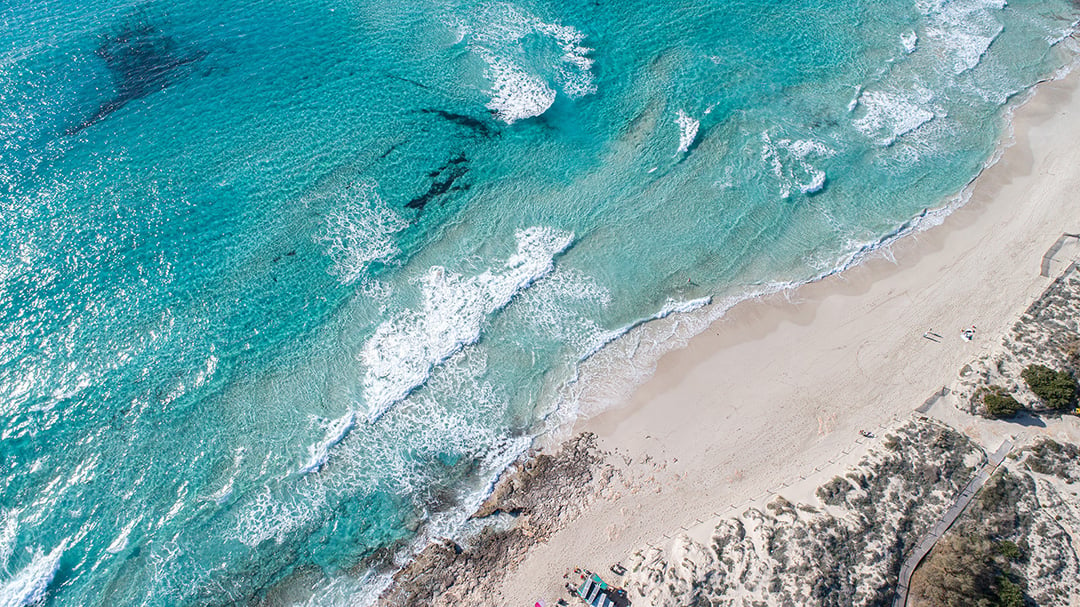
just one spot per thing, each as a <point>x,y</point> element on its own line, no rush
<point>1048,333</point>
<point>846,549</point>
<point>541,494</point>
<point>1018,539</point>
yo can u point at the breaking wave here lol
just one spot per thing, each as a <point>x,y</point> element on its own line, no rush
<point>336,432</point>
<point>688,129</point>
<point>400,355</point>
<point>29,585</point>
<point>887,116</point>
<point>524,79</point>
<point>789,161</point>
<point>360,232</point>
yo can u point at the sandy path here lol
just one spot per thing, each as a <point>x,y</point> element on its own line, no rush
<point>780,386</point>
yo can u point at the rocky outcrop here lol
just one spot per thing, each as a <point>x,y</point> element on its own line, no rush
<point>540,495</point>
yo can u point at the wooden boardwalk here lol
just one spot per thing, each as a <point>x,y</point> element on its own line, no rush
<point>947,519</point>
<point>1044,267</point>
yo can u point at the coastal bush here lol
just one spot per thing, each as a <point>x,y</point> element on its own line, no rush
<point>833,492</point>
<point>999,513</point>
<point>1053,458</point>
<point>1009,550</point>
<point>1057,388</point>
<point>1009,594</point>
<point>960,571</point>
<point>998,403</point>
<point>967,569</point>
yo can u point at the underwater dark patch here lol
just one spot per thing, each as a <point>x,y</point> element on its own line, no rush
<point>477,125</point>
<point>141,60</point>
<point>444,180</point>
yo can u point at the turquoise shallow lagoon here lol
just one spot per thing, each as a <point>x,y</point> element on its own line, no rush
<point>284,286</point>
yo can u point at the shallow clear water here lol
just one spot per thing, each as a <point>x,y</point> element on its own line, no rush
<point>284,286</point>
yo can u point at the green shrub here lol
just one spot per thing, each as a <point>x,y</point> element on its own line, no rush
<point>1057,388</point>
<point>998,402</point>
<point>1009,550</point>
<point>1009,594</point>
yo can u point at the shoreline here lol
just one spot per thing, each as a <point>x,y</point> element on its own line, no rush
<point>985,254</point>
<point>647,426</point>
<point>701,314</point>
<point>685,320</point>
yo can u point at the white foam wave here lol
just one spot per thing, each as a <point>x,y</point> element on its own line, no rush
<point>855,99</point>
<point>515,93</point>
<point>816,183</point>
<point>564,307</point>
<point>270,518</point>
<point>688,129</point>
<point>790,162</point>
<point>121,540</point>
<point>681,307</point>
<point>28,586</point>
<point>888,116</point>
<point>319,453</point>
<point>963,49</point>
<point>621,359</point>
<point>910,41</point>
<point>452,523</point>
<point>404,349</point>
<point>427,426</point>
<point>9,524</point>
<point>575,72</point>
<point>962,30</point>
<point>669,308</point>
<point>524,86</point>
<point>360,232</point>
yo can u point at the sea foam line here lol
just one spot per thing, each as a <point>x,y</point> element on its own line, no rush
<point>402,352</point>
<point>29,585</point>
<point>319,453</point>
<point>703,312</point>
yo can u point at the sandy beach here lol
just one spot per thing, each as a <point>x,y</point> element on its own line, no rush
<point>779,388</point>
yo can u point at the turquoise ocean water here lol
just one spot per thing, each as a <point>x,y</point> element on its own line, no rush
<point>284,285</point>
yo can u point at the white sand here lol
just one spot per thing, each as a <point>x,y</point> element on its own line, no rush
<point>781,386</point>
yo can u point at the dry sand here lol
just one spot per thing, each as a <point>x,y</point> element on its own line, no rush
<point>781,386</point>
